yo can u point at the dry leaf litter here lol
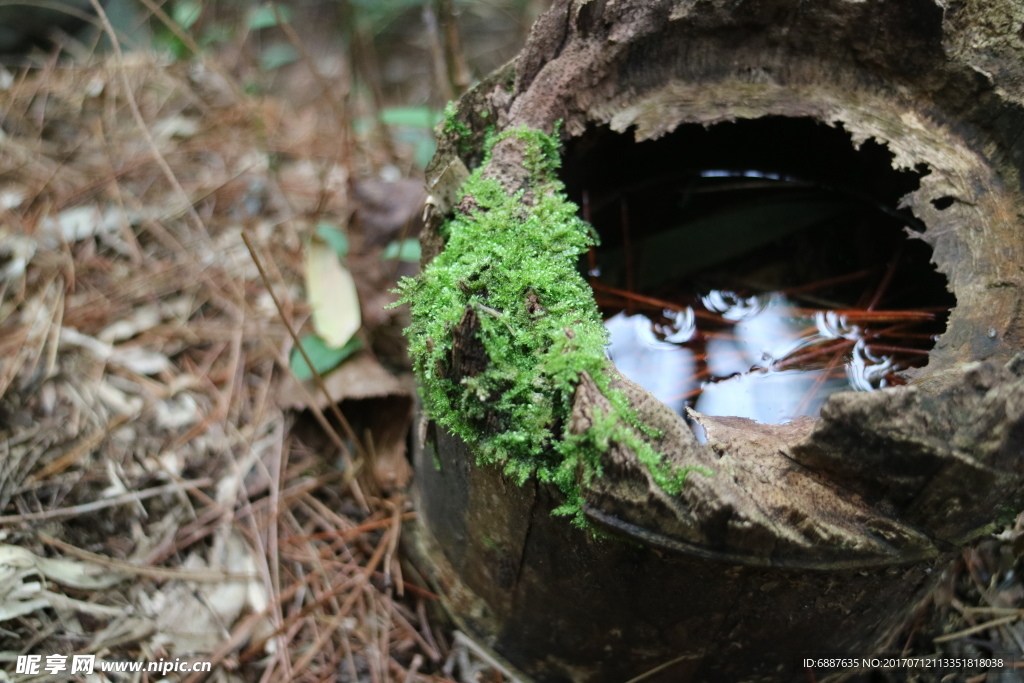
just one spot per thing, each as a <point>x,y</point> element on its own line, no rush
<point>168,490</point>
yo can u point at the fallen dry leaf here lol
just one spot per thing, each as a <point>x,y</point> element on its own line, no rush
<point>331,293</point>
<point>376,402</point>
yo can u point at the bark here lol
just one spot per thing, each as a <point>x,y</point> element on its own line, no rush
<point>814,537</point>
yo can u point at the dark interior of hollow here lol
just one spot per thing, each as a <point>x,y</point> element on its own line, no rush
<point>631,191</point>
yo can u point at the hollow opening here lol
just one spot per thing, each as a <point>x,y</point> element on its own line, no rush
<point>753,268</point>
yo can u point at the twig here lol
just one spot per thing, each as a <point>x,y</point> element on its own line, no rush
<point>348,534</point>
<point>816,385</point>
<point>462,639</point>
<point>203,575</point>
<point>831,345</point>
<point>193,47</point>
<point>84,445</point>
<point>994,610</point>
<point>133,105</point>
<point>435,656</point>
<point>86,508</point>
<point>496,314</point>
<point>367,571</point>
<point>977,629</point>
<point>414,666</point>
<point>885,348</point>
<point>861,315</point>
<point>659,668</point>
<point>827,282</point>
<point>314,648</point>
<point>886,279</point>
<point>661,303</point>
<point>352,584</point>
<point>396,532</point>
<point>335,410</point>
<point>202,527</point>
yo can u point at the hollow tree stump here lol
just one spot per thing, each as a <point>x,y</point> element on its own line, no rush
<point>816,537</point>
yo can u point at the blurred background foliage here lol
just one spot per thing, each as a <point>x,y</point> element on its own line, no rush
<point>395,63</point>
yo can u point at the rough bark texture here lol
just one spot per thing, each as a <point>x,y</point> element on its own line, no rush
<point>807,538</point>
<point>562,606</point>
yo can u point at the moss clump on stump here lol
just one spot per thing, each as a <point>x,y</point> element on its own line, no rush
<point>509,264</point>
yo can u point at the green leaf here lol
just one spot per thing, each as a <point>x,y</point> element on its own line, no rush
<point>375,15</point>
<point>424,151</point>
<point>277,55</point>
<point>170,43</point>
<point>422,141</point>
<point>323,357</point>
<point>410,117</point>
<point>215,33</point>
<point>264,16</point>
<point>186,12</point>
<point>409,250</point>
<point>335,237</point>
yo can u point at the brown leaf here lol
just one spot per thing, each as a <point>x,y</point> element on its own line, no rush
<point>385,208</point>
<point>377,404</point>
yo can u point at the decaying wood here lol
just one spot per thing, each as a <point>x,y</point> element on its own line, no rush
<point>842,518</point>
<point>937,86</point>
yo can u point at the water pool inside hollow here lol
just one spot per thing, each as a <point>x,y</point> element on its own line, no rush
<point>753,268</point>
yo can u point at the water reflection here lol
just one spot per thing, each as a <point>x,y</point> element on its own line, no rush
<point>658,365</point>
<point>761,357</point>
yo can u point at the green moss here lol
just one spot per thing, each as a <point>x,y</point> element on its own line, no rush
<point>514,264</point>
<point>454,129</point>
